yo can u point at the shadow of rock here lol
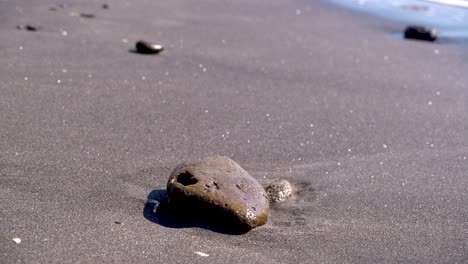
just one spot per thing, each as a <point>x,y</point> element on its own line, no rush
<point>135,51</point>
<point>158,210</point>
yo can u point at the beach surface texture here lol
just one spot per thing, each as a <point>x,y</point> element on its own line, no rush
<point>371,131</point>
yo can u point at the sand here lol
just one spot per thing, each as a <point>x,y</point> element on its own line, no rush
<point>371,129</point>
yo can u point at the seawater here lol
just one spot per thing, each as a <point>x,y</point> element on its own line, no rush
<point>450,17</point>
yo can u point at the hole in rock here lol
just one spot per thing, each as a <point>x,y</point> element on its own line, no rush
<point>186,179</point>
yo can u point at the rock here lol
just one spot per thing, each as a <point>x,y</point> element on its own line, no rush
<point>421,33</point>
<point>31,28</point>
<point>87,15</point>
<point>28,27</point>
<point>279,191</point>
<point>144,47</point>
<point>105,6</point>
<point>219,190</point>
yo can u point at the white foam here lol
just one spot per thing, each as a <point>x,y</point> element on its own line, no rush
<point>457,3</point>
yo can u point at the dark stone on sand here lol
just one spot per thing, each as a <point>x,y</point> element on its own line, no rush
<point>421,33</point>
<point>28,27</point>
<point>31,28</point>
<point>105,6</point>
<point>279,191</point>
<point>220,191</point>
<point>87,15</point>
<point>145,47</point>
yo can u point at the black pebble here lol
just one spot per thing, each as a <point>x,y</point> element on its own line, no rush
<point>28,27</point>
<point>144,47</point>
<point>421,33</point>
<point>87,15</point>
<point>105,6</point>
<point>31,28</point>
<point>118,222</point>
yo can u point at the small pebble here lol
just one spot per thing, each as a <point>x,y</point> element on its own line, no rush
<point>118,222</point>
<point>17,240</point>
<point>105,6</point>
<point>28,27</point>
<point>201,254</point>
<point>87,15</point>
<point>421,33</point>
<point>279,191</point>
<point>144,47</point>
<point>31,28</point>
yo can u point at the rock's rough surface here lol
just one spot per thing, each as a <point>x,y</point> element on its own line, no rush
<point>279,191</point>
<point>217,188</point>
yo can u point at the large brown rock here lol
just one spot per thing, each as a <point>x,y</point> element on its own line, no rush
<point>218,189</point>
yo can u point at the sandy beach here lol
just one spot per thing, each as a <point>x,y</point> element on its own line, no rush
<point>371,130</point>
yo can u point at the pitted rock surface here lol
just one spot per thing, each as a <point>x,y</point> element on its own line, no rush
<point>219,189</point>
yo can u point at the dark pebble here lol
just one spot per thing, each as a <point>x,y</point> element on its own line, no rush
<point>118,222</point>
<point>421,33</point>
<point>87,15</point>
<point>28,27</point>
<point>218,190</point>
<point>144,47</point>
<point>105,6</point>
<point>31,28</point>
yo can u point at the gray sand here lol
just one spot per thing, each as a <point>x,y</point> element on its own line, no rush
<point>371,129</point>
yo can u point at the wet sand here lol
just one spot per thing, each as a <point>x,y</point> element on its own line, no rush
<point>372,130</point>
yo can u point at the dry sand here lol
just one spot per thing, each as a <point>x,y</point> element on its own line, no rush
<point>371,129</point>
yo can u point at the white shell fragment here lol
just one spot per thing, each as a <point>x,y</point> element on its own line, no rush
<point>201,254</point>
<point>17,240</point>
<point>279,191</point>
